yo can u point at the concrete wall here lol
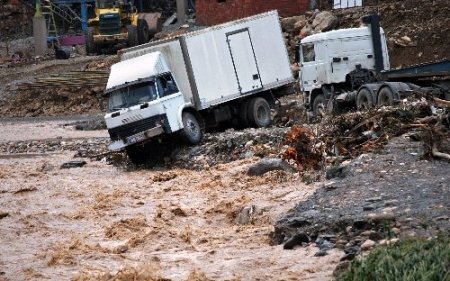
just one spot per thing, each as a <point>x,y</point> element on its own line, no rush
<point>211,12</point>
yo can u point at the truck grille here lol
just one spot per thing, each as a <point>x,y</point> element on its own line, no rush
<point>133,128</point>
<point>109,24</point>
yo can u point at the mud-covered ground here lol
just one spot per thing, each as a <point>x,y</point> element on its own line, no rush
<point>99,219</point>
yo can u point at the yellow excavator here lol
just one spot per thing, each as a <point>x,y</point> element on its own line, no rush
<point>118,24</point>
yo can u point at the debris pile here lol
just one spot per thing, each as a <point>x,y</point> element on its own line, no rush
<point>346,136</point>
<point>73,92</point>
<point>61,94</point>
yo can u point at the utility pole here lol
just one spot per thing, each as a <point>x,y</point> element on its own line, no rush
<point>39,31</point>
<point>84,16</point>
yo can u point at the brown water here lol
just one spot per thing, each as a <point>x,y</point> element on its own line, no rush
<point>86,222</point>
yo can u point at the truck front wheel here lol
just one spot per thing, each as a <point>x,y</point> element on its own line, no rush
<point>192,132</point>
<point>364,100</point>
<point>385,97</point>
<point>137,154</point>
<point>259,113</point>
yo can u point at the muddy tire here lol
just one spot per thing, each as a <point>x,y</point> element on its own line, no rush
<point>319,106</point>
<point>258,113</point>
<point>192,132</point>
<point>137,154</point>
<point>385,97</point>
<point>143,32</point>
<point>132,35</point>
<point>91,48</point>
<point>364,100</point>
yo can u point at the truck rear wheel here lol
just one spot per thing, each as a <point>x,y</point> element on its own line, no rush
<point>192,132</point>
<point>142,32</point>
<point>364,100</point>
<point>132,35</point>
<point>259,113</point>
<point>243,114</point>
<point>385,97</point>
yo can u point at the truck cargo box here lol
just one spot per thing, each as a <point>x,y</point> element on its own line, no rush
<point>225,62</point>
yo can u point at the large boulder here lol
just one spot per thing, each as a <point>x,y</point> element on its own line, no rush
<point>288,24</point>
<point>301,22</point>
<point>324,21</point>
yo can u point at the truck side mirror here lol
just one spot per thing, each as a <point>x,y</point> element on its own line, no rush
<point>297,53</point>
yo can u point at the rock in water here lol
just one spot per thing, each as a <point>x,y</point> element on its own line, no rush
<point>269,164</point>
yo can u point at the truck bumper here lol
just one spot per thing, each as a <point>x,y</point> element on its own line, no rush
<point>139,137</point>
<point>109,39</point>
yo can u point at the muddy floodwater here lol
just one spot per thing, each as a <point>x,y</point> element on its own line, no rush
<point>99,220</point>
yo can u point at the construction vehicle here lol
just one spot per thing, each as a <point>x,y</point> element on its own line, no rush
<point>349,68</point>
<point>118,24</point>
<point>182,85</point>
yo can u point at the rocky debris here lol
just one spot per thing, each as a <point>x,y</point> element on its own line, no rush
<point>367,245</point>
<point>224,147</point>
<point>269,164</point>
<point>3,215</point>
<point>404,202</point>
<point>296,240</point>
<point>25,189</point>
<point>15,18</point>
<point>87,147</point>
<point>345,136</point>
<point>245,216</point>
<point>73,164</point>
<point>93,124</point>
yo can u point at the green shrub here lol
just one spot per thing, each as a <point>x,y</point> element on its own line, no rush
<point>410,260</point>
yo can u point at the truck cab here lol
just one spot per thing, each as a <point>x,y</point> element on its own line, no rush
<point>331,62</point>
<point>143,101</point>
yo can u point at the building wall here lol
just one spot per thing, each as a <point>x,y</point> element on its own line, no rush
<point>211,12</point>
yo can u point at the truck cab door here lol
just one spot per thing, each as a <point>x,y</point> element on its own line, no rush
<point>171,100</point>
<point>338,61</point>
<point>244,61</point>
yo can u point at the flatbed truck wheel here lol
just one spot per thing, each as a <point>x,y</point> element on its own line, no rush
<point>319,106</point>
<point>385,97</point>
<point>364,100</point>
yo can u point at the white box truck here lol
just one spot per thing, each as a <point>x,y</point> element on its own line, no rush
<point>184,84</point>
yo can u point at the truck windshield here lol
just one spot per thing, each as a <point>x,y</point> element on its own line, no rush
<point>308,53</point>
<point>105,4</point>
<point>132,95</point>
